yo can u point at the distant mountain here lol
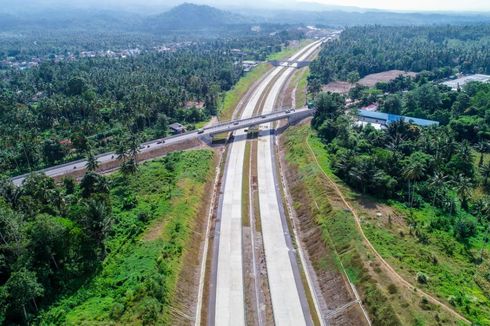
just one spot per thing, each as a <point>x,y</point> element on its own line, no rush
<point>8,21</point>
<point>190,16</point>
<point>340,18</point>
<point>71,20</point>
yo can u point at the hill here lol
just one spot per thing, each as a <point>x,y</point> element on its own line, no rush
<point>190,16</point>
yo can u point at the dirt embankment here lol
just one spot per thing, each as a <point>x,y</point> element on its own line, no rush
<point>154,153</point>
<point>188,284</point>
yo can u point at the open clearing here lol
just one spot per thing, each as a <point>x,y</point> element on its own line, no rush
<point>343,87</point>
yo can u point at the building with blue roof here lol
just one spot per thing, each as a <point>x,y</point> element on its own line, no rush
<point>385,119</point>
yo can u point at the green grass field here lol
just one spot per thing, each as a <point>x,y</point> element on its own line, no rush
<point>230,100</point>
<point>288,51</point>
<point>154,214</point>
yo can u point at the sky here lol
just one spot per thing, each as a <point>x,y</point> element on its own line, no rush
<point>425,5</point>
<point>397,5</point>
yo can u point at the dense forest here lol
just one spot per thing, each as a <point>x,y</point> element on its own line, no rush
<point>381,162</point>
<point>60,111</point>
<point>444,50</point>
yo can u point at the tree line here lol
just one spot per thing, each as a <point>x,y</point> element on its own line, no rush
<point>443,50</point>
<point>62,111</point>
<point>443,166</point>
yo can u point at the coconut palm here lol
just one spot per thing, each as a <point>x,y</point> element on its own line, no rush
<point>92,162</point>
<point>485,173</point>
<point>121,152</point>
<point>464,187</point>
<point>482,148</point>
<point>437,182</point>
<point>412,172</point>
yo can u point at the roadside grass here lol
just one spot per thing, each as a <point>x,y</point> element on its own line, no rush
<point>387,302</point>
<point>154,212</point>
<point>451,268</point>
<point>229,101</point>
<point>201,124</point>
<point>301,93</point>
<point>338,230</point>
<point>288,51</point>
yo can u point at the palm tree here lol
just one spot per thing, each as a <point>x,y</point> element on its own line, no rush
<point>121,152</point>
<point>362,174</point>
<point>98,223</point>
<point>129,167</point>
<point>92,163</point>
<point>448,204</point>
<point>464,187</point>
<point>413,172</point>
<point>134,147</point>
<point>481,147</point>
<point>485,173</point>
<point>437,182</point>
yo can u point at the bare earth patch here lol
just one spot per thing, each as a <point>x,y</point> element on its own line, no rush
<point>341,87</point>
<point>386,76</point>
<point>344,87</point>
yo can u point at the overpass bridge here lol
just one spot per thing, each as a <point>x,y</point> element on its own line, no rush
<point>290,63</point>
<point>79,165</point>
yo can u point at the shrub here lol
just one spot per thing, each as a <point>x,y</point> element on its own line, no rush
<point>143,217</point>
<point>151,309</point>
<point>392,289</point>
<point>422,278</point>
<point>117,310</point>
<point>129,202</point>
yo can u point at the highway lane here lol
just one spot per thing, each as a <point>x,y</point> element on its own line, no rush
<point>229,305</point>
<point>289,301</point>
<point>71,167</point>
<point>226,304</point>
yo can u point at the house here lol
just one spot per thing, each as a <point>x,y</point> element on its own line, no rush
<point>177,128</point>
<point>194,104</point>
<point>248,65</point>
<point>371,107</point>
<point>384,119</point>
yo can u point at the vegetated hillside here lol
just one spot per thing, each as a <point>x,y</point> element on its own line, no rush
<point>108,250</point>
<point>67,19</point>
<point>443,49</point>
<point>195,17</point>
<point>325,215</point>
<point>435,179</point>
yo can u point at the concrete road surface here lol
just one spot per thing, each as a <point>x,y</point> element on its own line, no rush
<point>227,305</point>
<point>289,302</point>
